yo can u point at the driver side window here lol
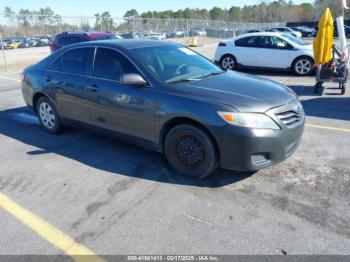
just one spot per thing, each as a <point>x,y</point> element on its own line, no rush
<point>109,64</point>
<point>279,43</point>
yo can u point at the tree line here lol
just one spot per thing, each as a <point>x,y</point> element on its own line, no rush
<point>46,21</point>
<point>263,12</point>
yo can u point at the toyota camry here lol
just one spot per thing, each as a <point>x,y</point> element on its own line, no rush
<point>168,98</point>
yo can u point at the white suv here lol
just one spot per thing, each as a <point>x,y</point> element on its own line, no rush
<point>266,50</point>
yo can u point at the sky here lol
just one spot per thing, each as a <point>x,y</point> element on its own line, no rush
<point>118,7</point>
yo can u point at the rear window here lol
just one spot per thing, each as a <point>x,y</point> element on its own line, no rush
<point>75,61</point>
<point>247,42</point>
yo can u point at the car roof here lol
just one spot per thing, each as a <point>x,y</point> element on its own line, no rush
<point>88,33</point>
<point>259,34</point>
<point>125,43</point>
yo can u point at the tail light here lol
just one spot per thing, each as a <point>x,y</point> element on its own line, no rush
<point>23,76</point>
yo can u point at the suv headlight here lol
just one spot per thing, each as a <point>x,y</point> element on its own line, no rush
<point>250,120</point>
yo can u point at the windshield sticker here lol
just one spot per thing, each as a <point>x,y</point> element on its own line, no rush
<point>187,51</point>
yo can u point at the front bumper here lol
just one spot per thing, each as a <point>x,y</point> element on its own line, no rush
<point>245,149</point>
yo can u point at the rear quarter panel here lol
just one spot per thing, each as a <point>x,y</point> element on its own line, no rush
<point>222,50</point>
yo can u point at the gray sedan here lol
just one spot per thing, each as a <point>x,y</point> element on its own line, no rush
<point>168,98</point>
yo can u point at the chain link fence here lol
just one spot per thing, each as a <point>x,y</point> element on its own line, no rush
<point>20,26</point>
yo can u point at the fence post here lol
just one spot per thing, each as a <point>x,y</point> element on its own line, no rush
<point>3,52</point>
<point>59,26</point>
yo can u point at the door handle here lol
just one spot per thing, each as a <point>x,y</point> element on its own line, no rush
<point>48,78</point>
<point>92,88</point>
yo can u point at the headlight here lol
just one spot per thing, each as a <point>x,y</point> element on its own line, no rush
<point>251,120</point>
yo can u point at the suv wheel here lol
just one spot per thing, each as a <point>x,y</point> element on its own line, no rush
<point>190,151</point>
<point>303,66</point>
<point>48,116</point>
<point>228,62</point>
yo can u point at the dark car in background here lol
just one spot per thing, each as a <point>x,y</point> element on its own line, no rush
<point>250,31</point>
<point>346,28</point>
<point>288,30</point>
<point>24,43</point>
<point>168,98</point>
<point>305,31</point>
<point>69,38</point>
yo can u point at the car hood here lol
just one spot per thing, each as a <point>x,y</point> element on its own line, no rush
<point>244,92</point>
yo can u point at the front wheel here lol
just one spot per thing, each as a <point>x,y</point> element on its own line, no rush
<point>228,62</point>
<point>303,66</point>
<point>48,116</point>
<point>190,151</point>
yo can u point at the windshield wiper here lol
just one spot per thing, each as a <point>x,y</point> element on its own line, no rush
<point>211,74</point>
<point>183,80</point>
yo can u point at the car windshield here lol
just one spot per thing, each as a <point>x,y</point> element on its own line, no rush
<point>294,39</point>
<point>174,64</point>
<point>106,37</point>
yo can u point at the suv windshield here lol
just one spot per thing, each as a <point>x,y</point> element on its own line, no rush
<point>174,64</point>
<point>106,37</point>
<point>294,39</point>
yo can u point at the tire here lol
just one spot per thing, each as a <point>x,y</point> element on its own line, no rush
<point>228,62</point>
<point>48,116</point>
<point>318,87</point>
<point>303,66</point>
<point>343,87</point>
<point>190,151</point>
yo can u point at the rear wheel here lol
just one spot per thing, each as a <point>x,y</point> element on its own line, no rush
<point>190,151</point>
<point>228,62</point>
<point>48,116</point>
<point>303,66</point>
<point>343,89</point>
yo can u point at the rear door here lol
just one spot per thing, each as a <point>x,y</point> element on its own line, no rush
<point>67,80</point>
<point>247,51</point>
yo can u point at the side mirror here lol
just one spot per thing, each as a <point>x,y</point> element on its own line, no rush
<point>133,80</point>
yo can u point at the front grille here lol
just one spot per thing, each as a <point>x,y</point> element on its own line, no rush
<point>289,118</point>
<point>290,115</point>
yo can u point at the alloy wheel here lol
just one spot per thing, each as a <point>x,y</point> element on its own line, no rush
<point>303,67</point>
<point>228,63</point>
<point>47,115</point>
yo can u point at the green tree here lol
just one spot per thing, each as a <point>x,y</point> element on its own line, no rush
<point>106,21</point>
<point>24,17</point>
<point>9,13</point>
<point>335,6</point>
<point>308,12</point>
<point>131,14</point>
<point>216,13</point>
<point>234,13</point>
<point>98,25</point>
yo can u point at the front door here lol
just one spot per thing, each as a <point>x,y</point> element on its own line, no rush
<point>275,52</point>
<point>128,110</point>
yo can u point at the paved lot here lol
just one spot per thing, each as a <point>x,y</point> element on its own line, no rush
<point>114,198</point>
